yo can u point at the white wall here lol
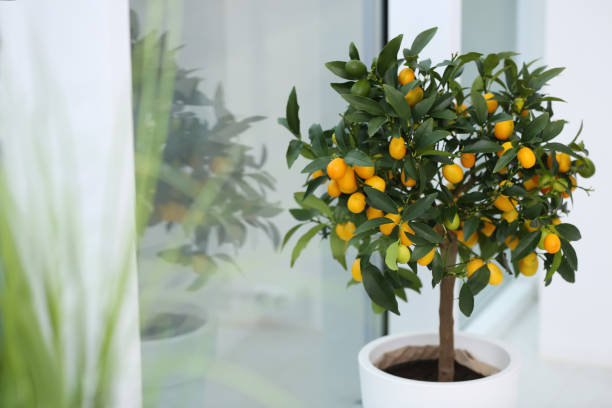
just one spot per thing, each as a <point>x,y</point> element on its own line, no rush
<point>408,18</point>
<point>575,321</point>
<point>65,124</point>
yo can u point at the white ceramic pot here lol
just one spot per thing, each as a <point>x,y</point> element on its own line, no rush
<point>174,368</point>
<point>382,390</point>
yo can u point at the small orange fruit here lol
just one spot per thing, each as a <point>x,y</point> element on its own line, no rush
<point>372,212</point>
<point>356,203</point>
<point>525,112</point>
<point>468,160</point>
<point>512,242</point>
<point>564,161</point>
<point>510,216</point>
<point>348,182</point>
<point>529,228</point>
<point>336,168</point>
<point>377,183</point>
<point>365,172</point>
<point>503,203</point>
<point>506,146</point>
<point>495,274</point>
<point>531,183</point>
<point>333,189</point>
<point>488,229</point>
<point>426,260</point>
<point>345,231</point>
<point>452,173</point>
<point>491,103</point>
<point>356,270</point>
<point>461,109</point>
<point>414,96</point>
<point>397,148</point>
<point>552,243</point>
<point>471,241</point>
<point>473,266</point>
<point>408,183</point>
<point>405,76</point>
<point>503,130</point>
<point>528,266</point>
<point>405,228</point>
<point>388,228</point>
<point>317,174</point>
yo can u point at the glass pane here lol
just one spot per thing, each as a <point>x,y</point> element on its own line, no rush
<point>225,321</point>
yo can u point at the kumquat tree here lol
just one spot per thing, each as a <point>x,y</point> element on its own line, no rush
<point>422,170</point>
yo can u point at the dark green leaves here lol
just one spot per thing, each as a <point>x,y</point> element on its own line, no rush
<point>358,158</point>
<point>479,280</point>
<point>505,159</point>
<point>378,288</point>
<point>426,232</point>
<point>479,106</point>
<point>353,53</point>
<point>397,101</point>
<point>535,127</point>
<point>371,224</point>
<point>293,120</point>
<point>466,300</point>
<point>338,248</point>
<point>293,151</point>
<point>365,104</point>
<point>388,55</point>
<point>303,241</point>
<point>380,200</point>
<point>419,207</point>
<point>526,245</point>
<point>568,231</point>
<point>391,256</point>
<point>482,146</point>
<point>538,81</point>
<point>430,138</point>
<point>375,124</point>
<point>421,40</point>
<point>314,203</point>
<point>337,67</point>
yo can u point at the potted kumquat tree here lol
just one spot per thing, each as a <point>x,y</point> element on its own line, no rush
<point>466,182</point>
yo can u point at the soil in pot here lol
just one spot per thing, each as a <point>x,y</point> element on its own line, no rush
<point>427,370</point>
<point>165,325</point>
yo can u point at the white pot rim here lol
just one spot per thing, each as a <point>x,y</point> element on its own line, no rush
<point>366,363</point>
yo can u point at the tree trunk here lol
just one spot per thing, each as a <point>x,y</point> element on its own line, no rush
<point>446,361</point>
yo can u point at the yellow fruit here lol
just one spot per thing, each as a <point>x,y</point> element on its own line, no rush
<point>377,183</point>
<point>452,224</point>
<point>525,112</point>
<point>403,254</point>
<point>452,173</point>
<point>527,225</point>
<point>345,231</point>
<point>531,183</point>
<point>510,216</point>
<point>405,228</point>
<point>471,240</point>
<point>414,96</point>
<point>574,184</point>
<point>461,109</point>
<point>365,172</point>
<point>488,229</point>
<point>356,203</point>
<point>468,160</point>
<point>512,242</point>
<point>336,168</point>
<point>397,148</point>
<point>564,161</point>
<point>528,266</point>
<point>556,221</point>
<point>356,270</point>
<point>173,212</point>
<point>503,130</point>
<point>552,243</point>
<point>503,203</point>
<point>426,260</point>
<point>491,103</point>
<point>388,228</point>
<point>405,76</point>
<point>348,183</point>
<point>317,174</point>
<point>408,183</point>
<point>372,212</point>
<point>473,266</point>
<point>200,264</point>
<point>526,157</point>
<point>221,165</point>
<point>506,146</point>
<point>333,189</point>
<point>495,274</point>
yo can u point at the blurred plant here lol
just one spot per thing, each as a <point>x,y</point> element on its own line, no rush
<point>394,182</point>
<point>190,172</point>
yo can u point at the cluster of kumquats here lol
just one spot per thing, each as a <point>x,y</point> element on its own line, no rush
<point>421,170</point>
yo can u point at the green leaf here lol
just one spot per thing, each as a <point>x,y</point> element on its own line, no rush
<point>444,114</point>
<point>293,120</point>
<point>479,105</point>
<point>568,231</point>
<point>559,147</point>
<point>420,250</point>
<point>371,224</point>
<point>313,184</point>
<point>358,158</point>
<point>338,248</point>
<point>470,226</point>
<point>380,200</point>
<point>320,163</point>
<point>353,53</point>
<point>526,245</point>
<point>570,254</point>
<point>540,80</point>
<point>413,278</point>
<point>566,272</point>
<point>342,87</point>
<point>388,55</point>
<point>426,232</point>
<point>303,241</point>
<point>410,167</point>
<point>554,266</point>
<point>337,67</point>
<point>421,40</point>
<point>289,234</point>
<point>302,214</point>
<point>505,159</point>
<point>317,140</point>
<point>396,99</point>
<point>391,256</point>
<point>535,127</point>
<point>422,107</point>
<point>293,151</point>
<point>364,103</point>
<point>466,300</point>
<point>437,269</point>
<point>178,255</point>
<point>552,130</point>
<point>375,124</point>
<point>479,280</point>
<point>430,138</point>
<point>377,309</point>
<point>419,207</point>
<point>313,202</point>
<point>377,288</point>
<point>482,146</point>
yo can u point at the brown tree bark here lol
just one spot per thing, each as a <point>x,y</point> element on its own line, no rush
<point>446,360</point>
